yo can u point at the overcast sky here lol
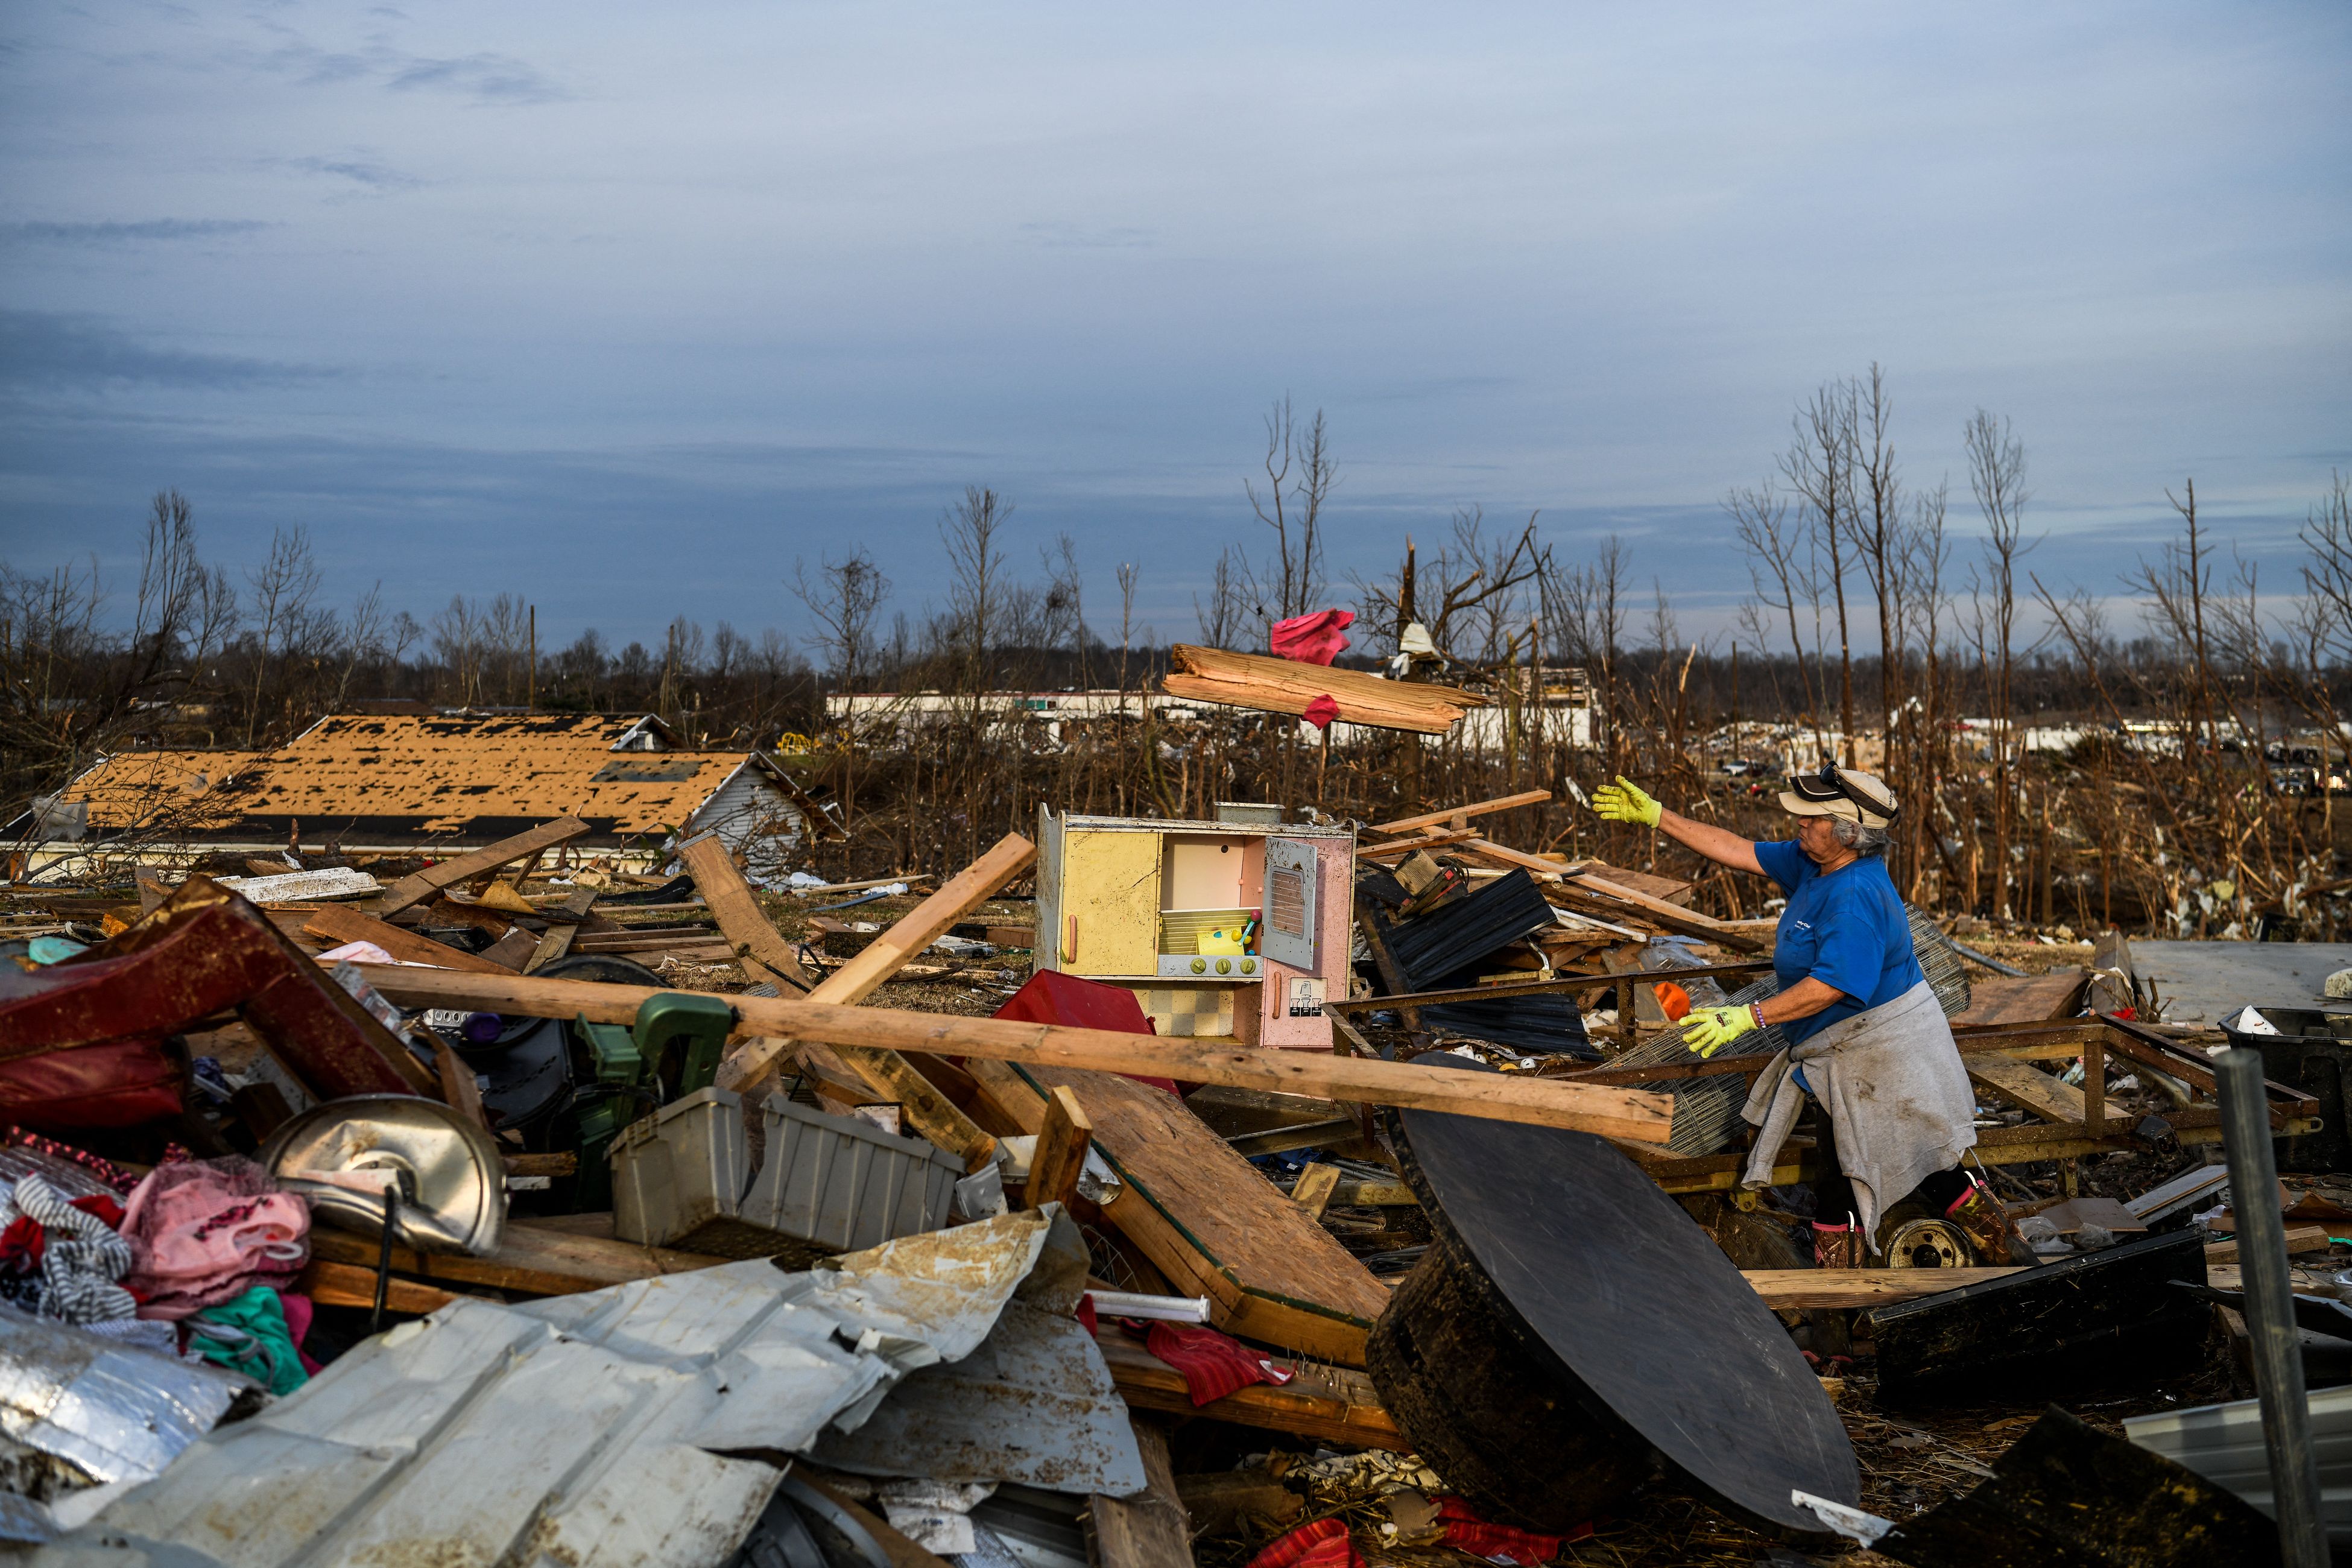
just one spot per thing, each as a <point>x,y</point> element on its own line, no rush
<point>624,307</point>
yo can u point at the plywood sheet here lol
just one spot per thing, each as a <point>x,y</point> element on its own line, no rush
<point>1213,1224</point>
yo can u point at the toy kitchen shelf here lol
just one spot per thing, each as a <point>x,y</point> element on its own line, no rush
<point>1158,907</point>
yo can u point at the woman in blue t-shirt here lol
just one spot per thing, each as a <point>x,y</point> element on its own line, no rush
<point>1869,1050</point>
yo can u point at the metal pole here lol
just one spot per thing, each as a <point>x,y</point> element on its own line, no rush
<point>2270,1310</point>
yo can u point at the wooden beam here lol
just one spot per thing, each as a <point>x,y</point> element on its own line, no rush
<point>1462,813</point>
<point>1803,1290</point>
<point>1061,1152</point>
<point>1613,1112</point>
<point>334,1284</point>
<point>1674,917</point>
<point>331,923</point>
<point>530,1260</point>
<point>928,921</point>
<point>759,946</point>
<point>2299,1238</point>
<point>1404,847</point>
<point>417,888</point>
<point>556,940</point>
<point>460,1091</point>
<point>1502,854</point>
<point>1149,1529</point>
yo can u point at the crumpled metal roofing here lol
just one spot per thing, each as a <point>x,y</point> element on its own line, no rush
<point>1033,1403</point>
<point>111,1410</point>
<point>589,1431</point>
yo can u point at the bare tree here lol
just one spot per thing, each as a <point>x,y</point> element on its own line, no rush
<point>1820,466</point>
<point>969,535</point>
<point>1221,619</point>
<point>1781,571</point>
<point>283,587</point>
<point>1299,477</point>
<point>1877,529</point>
<point>845,596</point>
<point>1584,613</point>
<point>1997,480</point>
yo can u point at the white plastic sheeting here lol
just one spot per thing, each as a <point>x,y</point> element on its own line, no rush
<point>1033,1403</point>
<point>588,1431</point>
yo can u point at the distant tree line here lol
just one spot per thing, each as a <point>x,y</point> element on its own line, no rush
<point>1871,613</point>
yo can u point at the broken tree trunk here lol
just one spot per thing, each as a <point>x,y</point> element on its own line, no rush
<point>1274,684</point>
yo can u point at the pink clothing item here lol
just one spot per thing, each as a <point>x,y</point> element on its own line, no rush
<point>202,1232</point>
<point>299,1312</point>
<point>1322,710</point>
<point>1317,638</point>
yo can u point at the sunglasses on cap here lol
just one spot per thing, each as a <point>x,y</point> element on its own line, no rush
<point>1829,784</point>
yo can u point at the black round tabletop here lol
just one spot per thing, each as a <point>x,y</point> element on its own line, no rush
<point>1641,1304</point>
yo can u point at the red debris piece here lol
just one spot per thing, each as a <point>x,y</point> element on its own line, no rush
<point>1325,1543</point>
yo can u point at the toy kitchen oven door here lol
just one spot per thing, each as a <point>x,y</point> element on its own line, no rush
<point>1224,931</point>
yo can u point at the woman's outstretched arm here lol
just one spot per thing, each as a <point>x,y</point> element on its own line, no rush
<point>1624,801</point>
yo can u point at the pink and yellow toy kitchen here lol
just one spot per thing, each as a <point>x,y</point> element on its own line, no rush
<point>1234,930</point>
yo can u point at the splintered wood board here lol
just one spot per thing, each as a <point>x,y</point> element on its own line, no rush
<point>1207,1218</point>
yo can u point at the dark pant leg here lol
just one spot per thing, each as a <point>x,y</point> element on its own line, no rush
<point>1833,1198</point>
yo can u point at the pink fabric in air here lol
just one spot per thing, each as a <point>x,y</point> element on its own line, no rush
<point>1317,638</point>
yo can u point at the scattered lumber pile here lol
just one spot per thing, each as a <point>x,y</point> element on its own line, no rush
<point>510,1100</point>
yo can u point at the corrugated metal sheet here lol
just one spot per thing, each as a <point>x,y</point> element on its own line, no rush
<point>2223,1443</point>
<point>587,1431</point>
<point>1443,947</point>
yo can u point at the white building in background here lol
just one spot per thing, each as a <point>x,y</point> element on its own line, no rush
<point>894,718</point>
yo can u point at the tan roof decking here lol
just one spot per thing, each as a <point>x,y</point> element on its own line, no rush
<point>409,774</point>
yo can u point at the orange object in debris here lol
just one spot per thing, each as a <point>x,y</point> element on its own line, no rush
<point>1674,1000</point>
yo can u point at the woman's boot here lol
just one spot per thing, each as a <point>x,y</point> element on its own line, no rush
<point>1979,1217</point>
<point>1837,1246</point>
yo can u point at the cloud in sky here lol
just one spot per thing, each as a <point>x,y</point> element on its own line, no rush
<point>629,309</point>
<point>47,352</point>
<point>136,232</point>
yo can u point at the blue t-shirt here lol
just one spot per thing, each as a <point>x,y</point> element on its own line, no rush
<point>1846,930</point>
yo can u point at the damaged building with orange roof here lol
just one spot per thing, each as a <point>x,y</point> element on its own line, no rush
<point>411,783</point>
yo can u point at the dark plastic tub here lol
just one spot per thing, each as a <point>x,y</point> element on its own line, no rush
<point>2312,1052</point>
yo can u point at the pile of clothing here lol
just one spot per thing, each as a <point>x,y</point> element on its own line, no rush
<point>216,1246</point>
<point>196,1258</point>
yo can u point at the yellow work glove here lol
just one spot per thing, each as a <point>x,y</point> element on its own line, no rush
<point>1624,802</point>
<point>1707,1030</point>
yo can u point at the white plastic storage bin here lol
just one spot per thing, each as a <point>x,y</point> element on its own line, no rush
<point>841,1183</point>
<point>678,1178</point>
